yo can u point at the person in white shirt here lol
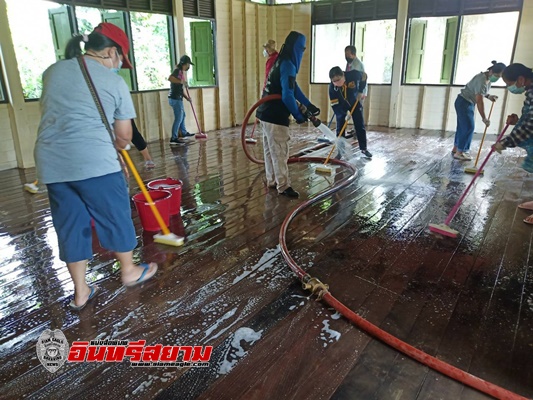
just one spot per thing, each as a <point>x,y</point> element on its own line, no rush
<point>470,97</point>
<point>353,63</point>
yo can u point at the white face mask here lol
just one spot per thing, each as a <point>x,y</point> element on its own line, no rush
<point>265,53</point>
<point>117,69</point>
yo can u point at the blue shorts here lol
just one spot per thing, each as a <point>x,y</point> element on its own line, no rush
<point>106,200</point>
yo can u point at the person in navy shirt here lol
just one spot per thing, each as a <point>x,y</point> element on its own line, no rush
<point>345,89</point>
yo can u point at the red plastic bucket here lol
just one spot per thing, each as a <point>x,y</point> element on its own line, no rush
<point>161,199</point>
<point>174,187</point>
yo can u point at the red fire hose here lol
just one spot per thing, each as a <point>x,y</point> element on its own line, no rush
<point>321,290</point>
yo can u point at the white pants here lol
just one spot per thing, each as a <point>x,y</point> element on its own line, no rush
<point>276,148</point>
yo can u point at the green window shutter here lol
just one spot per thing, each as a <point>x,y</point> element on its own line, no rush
<point>203,56</point>
<point>117,18</point>
<point>360,32</point>
<point>449,48</point>
<point>60,27</point>
<point>415,57</point>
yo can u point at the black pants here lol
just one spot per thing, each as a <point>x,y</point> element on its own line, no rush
<point>358,123</point>
<point>136,138</point>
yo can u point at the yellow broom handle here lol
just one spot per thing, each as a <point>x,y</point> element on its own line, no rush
<point>483,138</point>
<point>341,132</point>
<point>147,196</point>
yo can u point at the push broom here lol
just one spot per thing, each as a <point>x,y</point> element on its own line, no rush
<point>199,135</point>
<point>324,169</point>
<point>444,228</point>
<point>474,169</point>
<point>167,237</point>
<point>251,139</point>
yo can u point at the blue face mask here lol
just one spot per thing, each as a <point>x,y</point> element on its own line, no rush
<point>516,90</point>
<point>494,78</point>
<point>117,69</point>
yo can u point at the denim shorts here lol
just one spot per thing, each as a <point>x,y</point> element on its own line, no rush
<point>105,199</point>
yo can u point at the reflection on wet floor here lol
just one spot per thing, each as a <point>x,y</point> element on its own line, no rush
<point>467,300</point>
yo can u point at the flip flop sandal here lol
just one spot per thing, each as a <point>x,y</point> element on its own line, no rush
<point>524,207</point>
<point>144,276</point>
<point>94,291</point>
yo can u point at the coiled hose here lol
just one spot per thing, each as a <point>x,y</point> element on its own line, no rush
<point>322,292</point>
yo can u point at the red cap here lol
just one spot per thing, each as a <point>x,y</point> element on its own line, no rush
<point>118,36</point>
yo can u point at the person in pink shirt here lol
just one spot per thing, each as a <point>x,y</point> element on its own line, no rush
<point>269,50</point>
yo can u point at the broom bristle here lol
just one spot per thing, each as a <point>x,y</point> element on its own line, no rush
<point>443,229</point>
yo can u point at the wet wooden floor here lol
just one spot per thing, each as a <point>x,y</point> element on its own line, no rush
<point>467,301</point>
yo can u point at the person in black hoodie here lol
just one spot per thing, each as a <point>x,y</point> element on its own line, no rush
<point>274,115</point>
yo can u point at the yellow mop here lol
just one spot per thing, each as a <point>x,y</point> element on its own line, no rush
<point>474,169</point>
<point>166,237</point>
<point>325,169</point>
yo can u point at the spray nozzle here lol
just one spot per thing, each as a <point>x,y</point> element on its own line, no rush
<point>309,115</point>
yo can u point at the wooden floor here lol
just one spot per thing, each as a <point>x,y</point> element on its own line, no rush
<point>467,301</point>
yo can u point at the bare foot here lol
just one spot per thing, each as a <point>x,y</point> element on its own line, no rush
<point>529,219</point>
<point>528,205</point>
<point>138,274</point>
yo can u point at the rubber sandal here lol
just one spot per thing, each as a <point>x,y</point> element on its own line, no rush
<point>94,291</point>
<point>144,276</point>
<point>524,207</point>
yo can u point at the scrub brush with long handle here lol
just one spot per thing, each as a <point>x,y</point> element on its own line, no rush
<point>444,228</point>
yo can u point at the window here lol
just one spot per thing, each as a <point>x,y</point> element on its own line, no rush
<point>149,34</point>
<point>34,52</point>
<point>330,40</point>
<point>435,42</point>
<point>426,48</point>
<point>200,46</point>
<point>376,35</point>
<point>478,44</point>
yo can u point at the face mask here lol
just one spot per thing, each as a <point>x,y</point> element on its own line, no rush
<point>494,78</point>
<point>349,60</point>
<point>265,53</point>
<point>117,69</point>
<point>516,90</point>
<point>339,83</point>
